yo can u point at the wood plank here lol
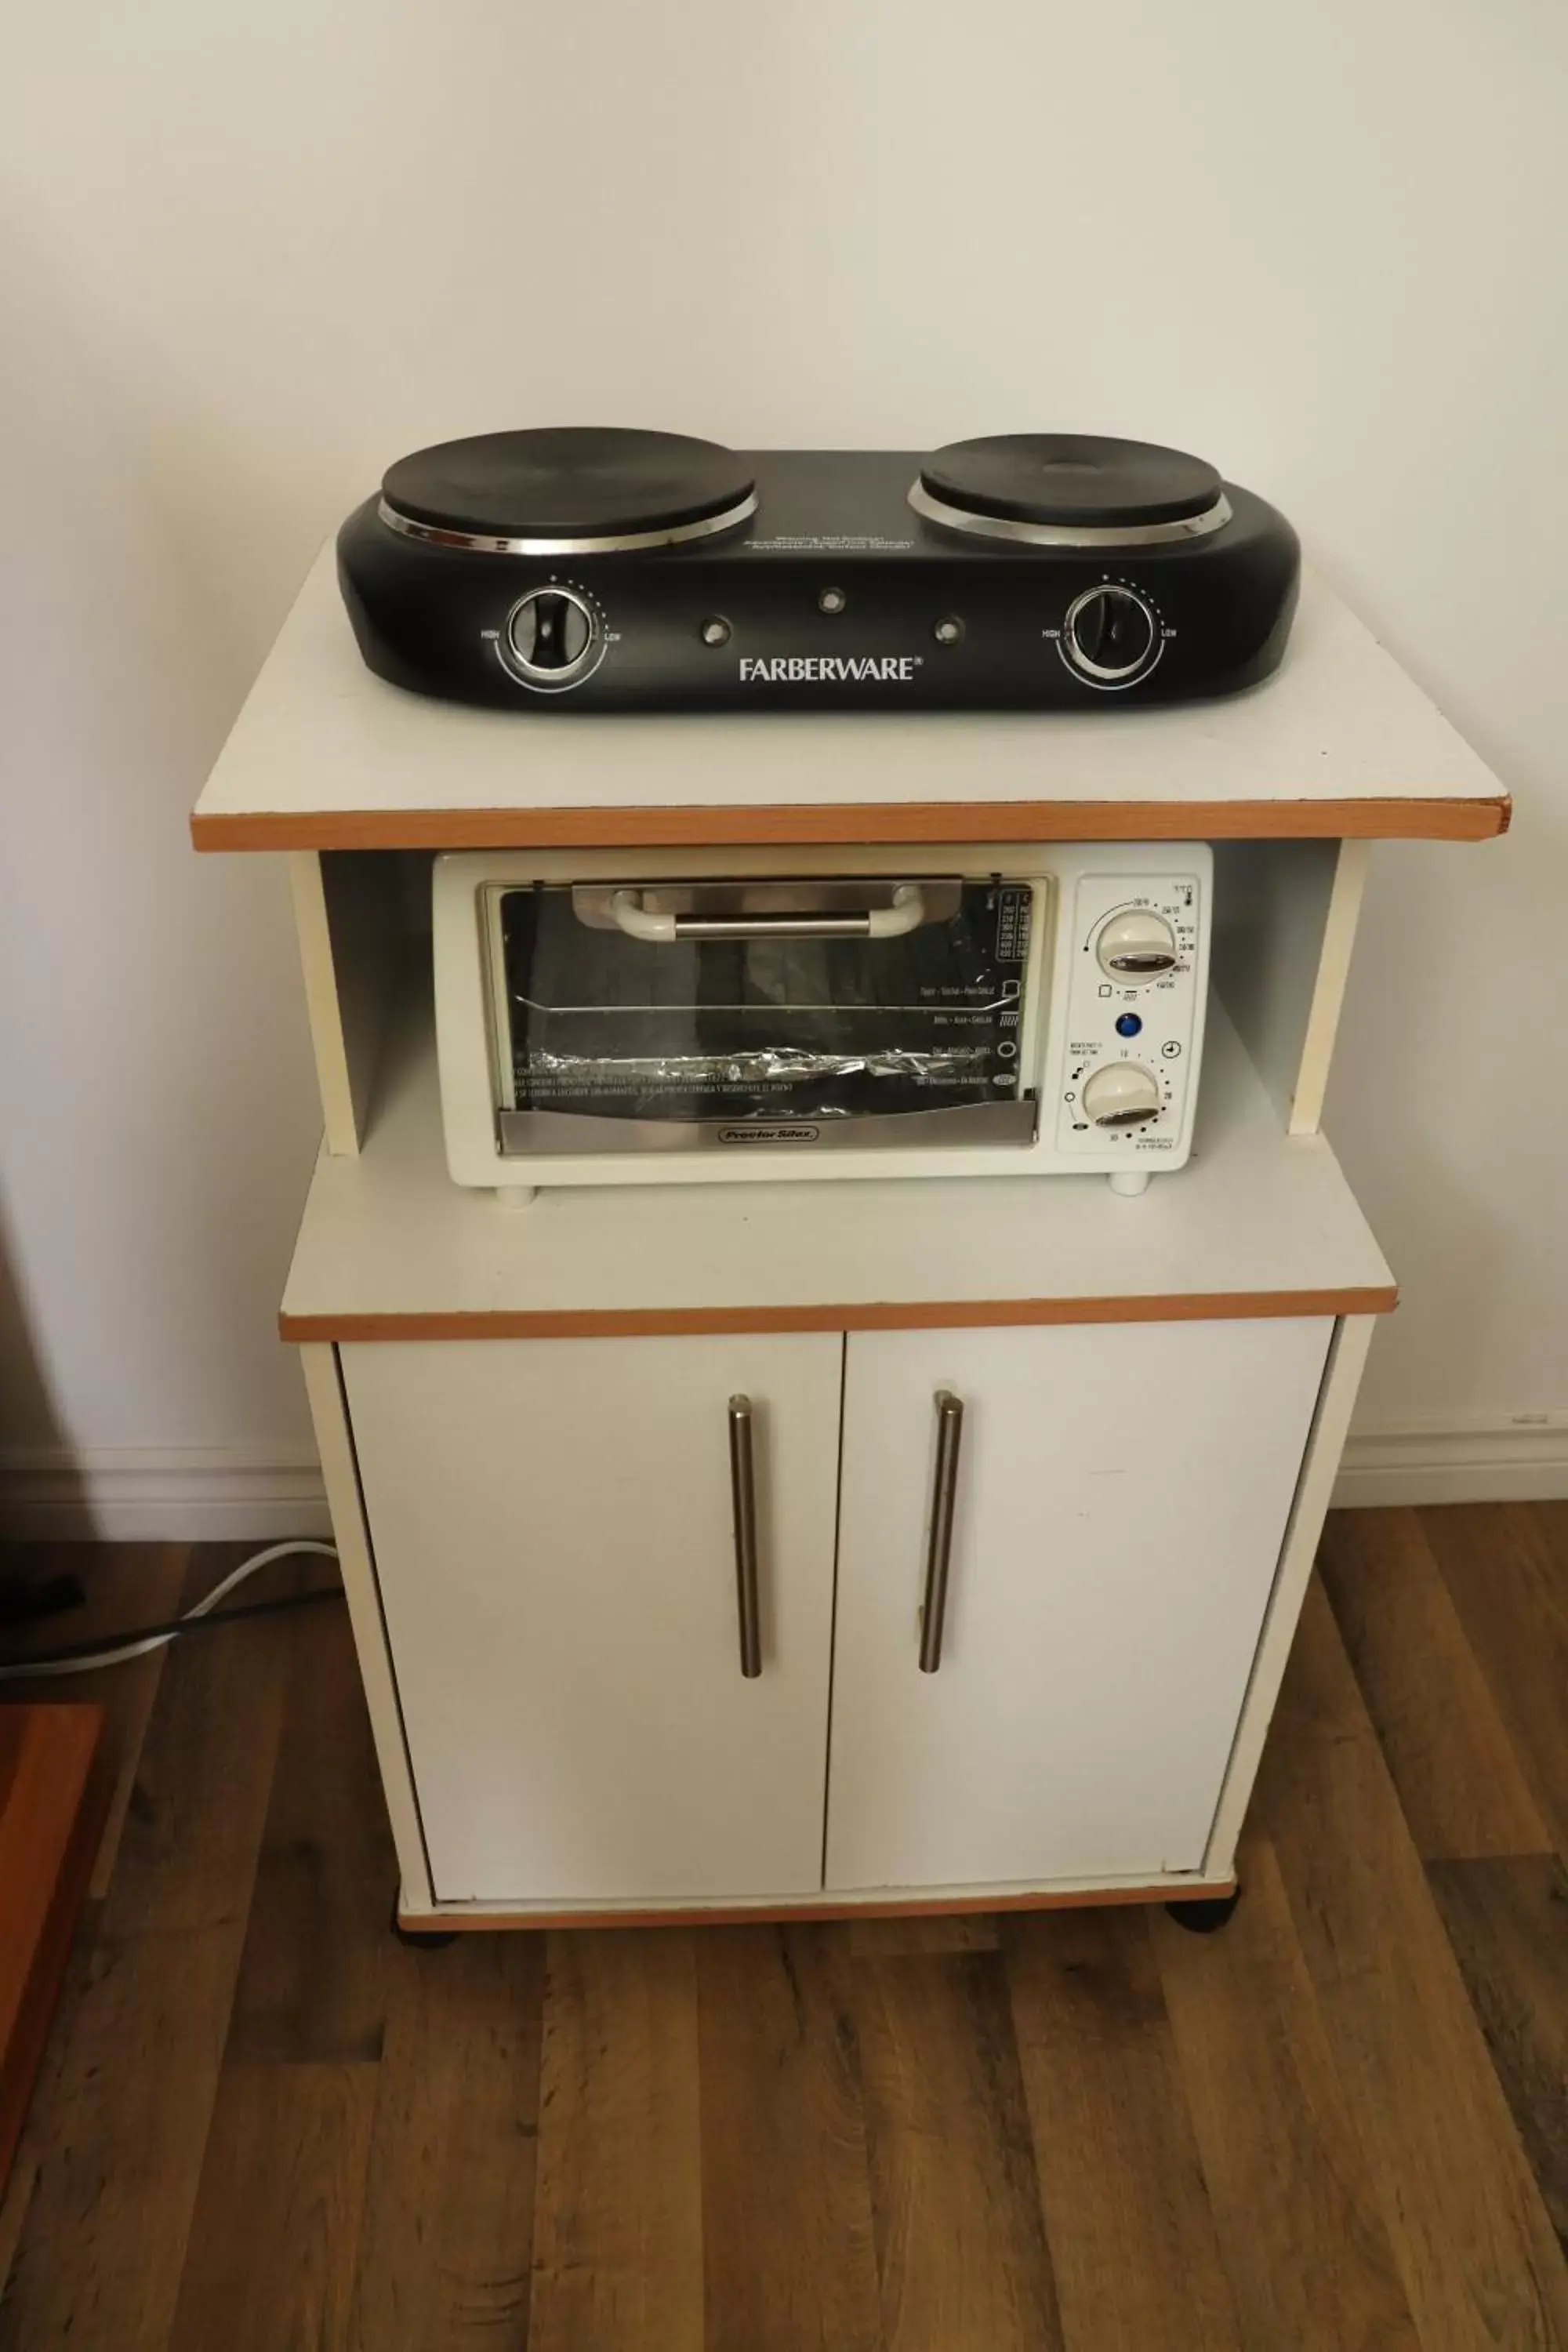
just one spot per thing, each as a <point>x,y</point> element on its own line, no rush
<point>274,2239</point>
<point>1508,1922</point>
<point>887,1938</point>
<point>1476,2252</point>
<point>130,1692</point>
<point>701,825</point>
<point>960,2242</point>
<point>275,2235</point>
<point>52,1805</point>
<point>1460,1787</point>
<point>16,2199</point>
<point>104,2243</point>
<point>446,2242</point>
<point>618,2224</point>
<point>1126,2212</point>
<point>1509,1585</point>
<point>124,1585</point>
<point>314,1976</point>
<point>788,2244</point>
<point>16,2196</point>
<point>863,1315</point>
<point>1294,2201</point>
<point>1551,1522</point>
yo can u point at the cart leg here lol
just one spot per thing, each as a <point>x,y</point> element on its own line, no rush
<point>421,1940</point>
<point>1201,1914</point>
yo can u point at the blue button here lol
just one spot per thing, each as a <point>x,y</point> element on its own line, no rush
<point>1128,1025</point>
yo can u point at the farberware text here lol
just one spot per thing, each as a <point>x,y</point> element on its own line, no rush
<point>801,669</point>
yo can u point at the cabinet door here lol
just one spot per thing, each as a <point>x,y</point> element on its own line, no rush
<point>553,1540</point>
<point>1121,1497</point>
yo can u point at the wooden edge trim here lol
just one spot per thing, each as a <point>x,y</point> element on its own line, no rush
<point>914,1315</point>
<point>691,826</point>
<point>1168,1890</point>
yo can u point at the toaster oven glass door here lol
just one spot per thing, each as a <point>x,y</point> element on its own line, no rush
<point>708,1015</point>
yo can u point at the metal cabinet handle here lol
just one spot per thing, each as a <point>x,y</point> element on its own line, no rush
<point>939,1547</point>
<point>744,1493</point>
<point>906,914</point>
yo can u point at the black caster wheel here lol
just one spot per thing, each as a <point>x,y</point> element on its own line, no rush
<point>1201,1915</point>
<point>421,1940</point>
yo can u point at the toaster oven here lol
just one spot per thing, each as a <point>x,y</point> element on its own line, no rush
<point>714,1015</point>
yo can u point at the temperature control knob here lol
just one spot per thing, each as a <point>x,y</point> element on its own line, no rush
<point>1137,944</point>
<point>553,637</point>
<point>1110,635</point>
<point>1122,1094</point>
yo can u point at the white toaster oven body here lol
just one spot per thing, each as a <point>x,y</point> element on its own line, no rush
<point>724,1016</point>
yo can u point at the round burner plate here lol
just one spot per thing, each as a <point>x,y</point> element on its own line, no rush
<point>1069,489</point>
<point>572,490</point>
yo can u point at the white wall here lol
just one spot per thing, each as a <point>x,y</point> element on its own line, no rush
<point>255,252</point>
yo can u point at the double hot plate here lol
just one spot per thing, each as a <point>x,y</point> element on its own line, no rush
<point>602,569</point>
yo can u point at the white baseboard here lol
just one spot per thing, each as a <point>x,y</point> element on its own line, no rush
<point>156,1494</point>
<point>219,1493</point>
<point>1520,1458</point>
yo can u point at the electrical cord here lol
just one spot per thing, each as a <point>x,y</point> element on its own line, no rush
<point>114,1649</point>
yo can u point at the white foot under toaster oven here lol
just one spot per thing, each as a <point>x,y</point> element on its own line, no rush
<point>689,1016</point>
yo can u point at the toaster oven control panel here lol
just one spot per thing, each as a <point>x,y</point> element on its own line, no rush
<point>1130,1015</point>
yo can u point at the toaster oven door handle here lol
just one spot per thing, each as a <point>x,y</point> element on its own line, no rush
<point>906,914</point>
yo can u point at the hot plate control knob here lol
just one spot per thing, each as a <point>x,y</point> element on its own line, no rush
<point>1137,945</point>
<point>1122,1094</point>
<point>553,637</point>
<point>1110,635</point>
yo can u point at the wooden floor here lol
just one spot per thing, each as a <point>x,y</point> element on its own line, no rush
<point>1341,2123</point>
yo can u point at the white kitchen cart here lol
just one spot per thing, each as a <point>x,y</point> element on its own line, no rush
<point>599,1690</point>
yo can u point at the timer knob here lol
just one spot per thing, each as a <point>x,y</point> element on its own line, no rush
<point>1110,634</point>
<point>1122,1094</point>
<point>1137,944</point>
<point>553,637</point>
